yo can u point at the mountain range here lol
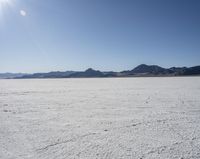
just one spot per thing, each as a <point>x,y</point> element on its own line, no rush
<point>142,70</point>
<point>11,75</point>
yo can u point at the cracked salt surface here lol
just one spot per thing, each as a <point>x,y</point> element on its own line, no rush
<point>139,118</point>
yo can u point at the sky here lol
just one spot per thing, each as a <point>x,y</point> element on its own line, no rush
<point>60,35</point>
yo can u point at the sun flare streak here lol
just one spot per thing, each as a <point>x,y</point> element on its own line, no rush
<point>4,4</point>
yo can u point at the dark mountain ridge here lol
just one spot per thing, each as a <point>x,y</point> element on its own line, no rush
<point>150,69</point>
<point>56,74</point>
<point>88,73</point>
<point>142,70</point>
<point>11,75</point>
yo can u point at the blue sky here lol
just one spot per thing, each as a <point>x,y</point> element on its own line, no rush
<point>50,35</point>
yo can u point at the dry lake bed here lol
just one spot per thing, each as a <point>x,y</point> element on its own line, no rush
<point>104,118</point>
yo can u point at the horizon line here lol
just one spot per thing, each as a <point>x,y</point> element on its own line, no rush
<point>8,72</point>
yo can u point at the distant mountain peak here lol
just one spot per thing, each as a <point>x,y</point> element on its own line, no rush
<point>90,70</point>
<point>143,65</point>
<point>152,69</point>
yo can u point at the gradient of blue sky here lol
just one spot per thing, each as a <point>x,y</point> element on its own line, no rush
<point>103,34</point>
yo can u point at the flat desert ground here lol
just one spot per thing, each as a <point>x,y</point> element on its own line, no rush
<point>104,118</point>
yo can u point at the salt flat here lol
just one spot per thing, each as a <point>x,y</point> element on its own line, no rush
<point>110,118</point>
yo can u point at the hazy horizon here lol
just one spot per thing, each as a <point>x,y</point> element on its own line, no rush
<point>114,35</point>
<point>88,68</point>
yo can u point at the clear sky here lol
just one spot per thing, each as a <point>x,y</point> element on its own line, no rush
<point>50,35</point>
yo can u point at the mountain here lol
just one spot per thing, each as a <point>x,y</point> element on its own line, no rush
<point>147,69</point>
<point>49,75</point>
<point>186,71</point>
<point>150,69</point>
<point>111,74</point>
<point>178,70</point>
<point>142,70</point>
<point>11,75</point>
<point>192,71</point>
<point>88,73</point>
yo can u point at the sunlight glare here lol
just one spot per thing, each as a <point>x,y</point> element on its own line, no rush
<point>4,2</point>
<point>3,6</point>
